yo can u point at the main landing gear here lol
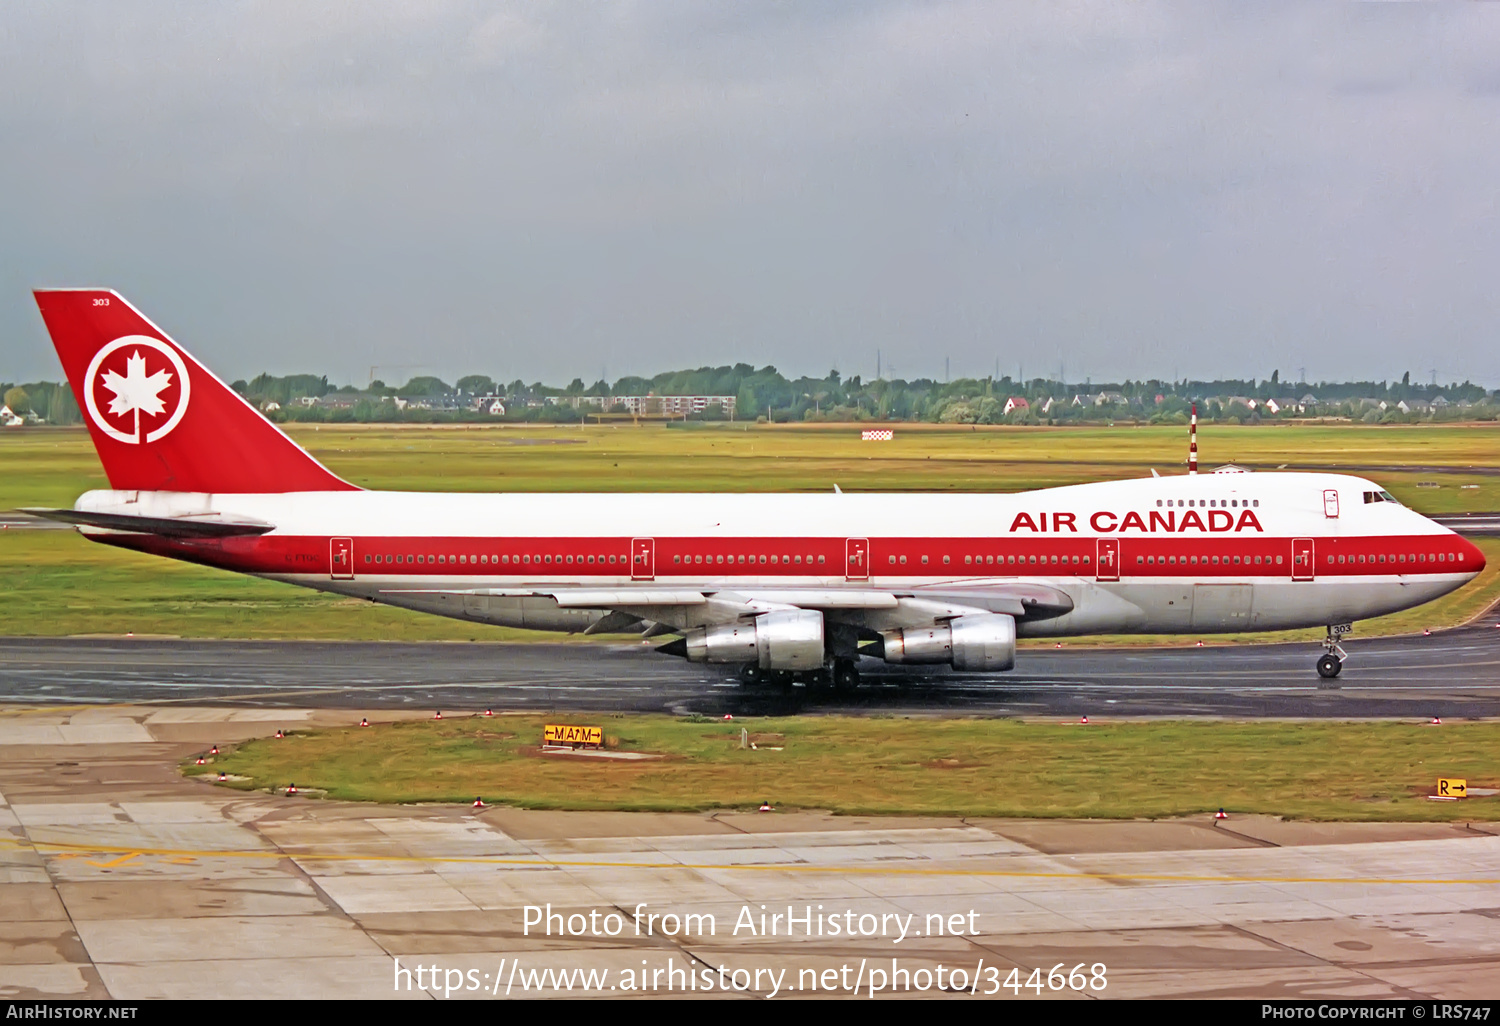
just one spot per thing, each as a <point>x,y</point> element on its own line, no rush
<point>844,674</point>
<point>1332,659</point>
<point>841,673</point>
<point>755,675</point>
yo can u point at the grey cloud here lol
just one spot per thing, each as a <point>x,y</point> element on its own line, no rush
<point>539,189</point>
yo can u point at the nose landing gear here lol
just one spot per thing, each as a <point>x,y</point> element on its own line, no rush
<point>1332,660</point>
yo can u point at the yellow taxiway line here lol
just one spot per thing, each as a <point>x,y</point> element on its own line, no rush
<point>66,850</point>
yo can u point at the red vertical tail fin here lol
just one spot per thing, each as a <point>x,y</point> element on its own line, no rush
<point>160,420</point>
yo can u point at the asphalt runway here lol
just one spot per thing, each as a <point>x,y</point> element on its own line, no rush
<point>1452,673</point>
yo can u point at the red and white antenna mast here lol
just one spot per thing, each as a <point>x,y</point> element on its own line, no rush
<point>1193,441</point>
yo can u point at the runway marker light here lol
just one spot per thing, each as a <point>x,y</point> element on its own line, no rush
<point>728,716</point>
<point>363,722</point>
<point>479,804</point>
<point>1426,633</point>
<point>1084,720</point>
<point>200,760</point>
<point>214,750</point>
<point>766,807</point>
<point>439,715</point>
<point>1221,814</point>
<point>1436,721</point>
<point>223,776</point>
<point>291,789</point>
<point>489,712</point>
<point>279,732</point>
<point>1059,644</point>
<point>1200,644</point>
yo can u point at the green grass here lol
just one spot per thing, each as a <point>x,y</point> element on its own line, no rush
<point>971,767</point>
<point>59,584</point>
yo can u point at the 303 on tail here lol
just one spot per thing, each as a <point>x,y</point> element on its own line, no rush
<point>776,585</point>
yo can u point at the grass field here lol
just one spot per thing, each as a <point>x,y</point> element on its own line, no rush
<point>1308,770</point>
<point>58,584</point>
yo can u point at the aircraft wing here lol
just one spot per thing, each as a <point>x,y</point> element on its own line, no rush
<point>679,608</point>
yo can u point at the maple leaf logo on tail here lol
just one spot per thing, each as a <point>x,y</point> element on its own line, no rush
<point>137,394</point>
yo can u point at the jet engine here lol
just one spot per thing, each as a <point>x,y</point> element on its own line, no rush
<point>983,641</point>
<point>783,640</point>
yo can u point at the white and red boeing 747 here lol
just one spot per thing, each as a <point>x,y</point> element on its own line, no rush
<point>774,584</point>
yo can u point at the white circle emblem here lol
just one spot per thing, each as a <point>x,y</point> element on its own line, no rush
<point>136,391</point>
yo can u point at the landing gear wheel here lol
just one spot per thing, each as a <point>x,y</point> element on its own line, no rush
<point>751,673</point>
<point>845,676</point>
<point>1332,659</point>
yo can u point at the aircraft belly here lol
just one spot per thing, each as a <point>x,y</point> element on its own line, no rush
<point>1097,609</point>
<point>1166,607</point>
<point>537,613</point>
<point>1222,607</point>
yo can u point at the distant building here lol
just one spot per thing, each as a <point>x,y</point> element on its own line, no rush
<point>496,408</point>
<point>1016,402</point>
<point>9,419</point>
<point>649,405</point>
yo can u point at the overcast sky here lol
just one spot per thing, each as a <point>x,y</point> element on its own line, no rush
<point>547,190</point>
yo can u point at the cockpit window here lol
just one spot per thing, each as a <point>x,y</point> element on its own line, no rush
<point>1379,496</point>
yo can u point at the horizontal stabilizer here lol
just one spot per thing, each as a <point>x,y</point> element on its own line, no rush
<point>212,525</point>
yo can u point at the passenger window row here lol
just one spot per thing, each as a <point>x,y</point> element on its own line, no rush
<point>1014,560</point>
<point>1416,557</point>
<point>1214,503</point>
<point>1207,560</point>
<point>495,560</point>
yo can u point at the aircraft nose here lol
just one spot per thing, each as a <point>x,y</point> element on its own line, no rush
<point>1474,560</point>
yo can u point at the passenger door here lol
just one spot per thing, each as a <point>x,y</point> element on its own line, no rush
<point>1302,559</point>
<point>1108,556</point>
<point>857,559</point>
<point>642,559</point>
<point>341,559</point>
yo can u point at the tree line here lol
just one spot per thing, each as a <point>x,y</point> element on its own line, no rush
<point>766,394</point>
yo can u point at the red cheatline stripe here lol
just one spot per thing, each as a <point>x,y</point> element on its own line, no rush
<point>1161,555</point>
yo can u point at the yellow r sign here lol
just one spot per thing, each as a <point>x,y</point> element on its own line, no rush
<point>1449,787</point>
